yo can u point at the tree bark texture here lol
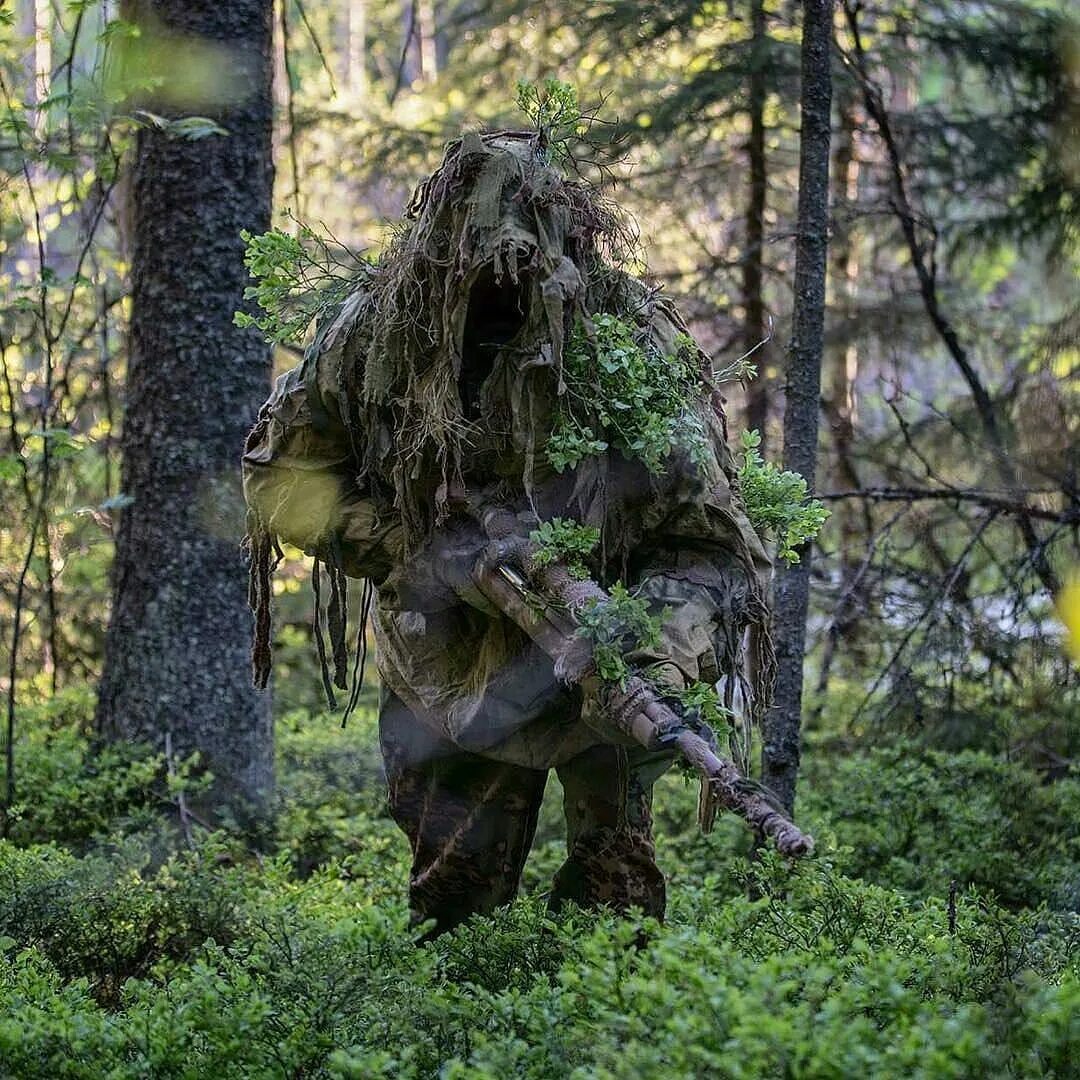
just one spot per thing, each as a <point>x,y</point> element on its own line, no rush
<point>780,754</point>
<point>177,654</point>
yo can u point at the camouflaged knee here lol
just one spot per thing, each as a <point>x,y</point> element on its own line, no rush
<point>611,858</point>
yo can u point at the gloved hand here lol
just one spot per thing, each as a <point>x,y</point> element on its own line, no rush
<point>454,551</point>
<point>441,574</point>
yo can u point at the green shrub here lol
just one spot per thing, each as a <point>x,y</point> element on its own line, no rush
<point>776,501</point>
<point>332,806</point>
<point>109,916</point>
<point>821,976</point>
<point>917,819</point>
<point>70,789</point>
<point>132,959</point>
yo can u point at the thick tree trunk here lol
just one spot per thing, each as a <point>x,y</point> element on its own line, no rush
<point>757,398</point>
<point>780,754</point>
<point>177,655</point>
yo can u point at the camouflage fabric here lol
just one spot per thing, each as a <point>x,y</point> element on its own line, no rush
<point>436,379</point>
<point>474,677</point>
<point>470,822</point>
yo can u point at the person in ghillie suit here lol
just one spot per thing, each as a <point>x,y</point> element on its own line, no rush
<point>451,379</point>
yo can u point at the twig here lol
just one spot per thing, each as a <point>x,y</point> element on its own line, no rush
<point>982,498</point>
<point>410,33</point>
<point>290,103</point>
<point>930,609</point>
<point>719,373</point>
<point>845,603</point>
<point>43,495</point>
<point>181,801</point>
<point>318,45</point>
<point>924,262</point>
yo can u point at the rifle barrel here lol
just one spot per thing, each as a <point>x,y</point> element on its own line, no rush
<point>555,633</point>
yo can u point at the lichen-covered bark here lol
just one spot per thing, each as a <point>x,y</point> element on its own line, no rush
<point>177,657</point>
<point>780,755</point>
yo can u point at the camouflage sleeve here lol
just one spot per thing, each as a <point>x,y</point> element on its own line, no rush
<point>299,475</point>
<point>707,568</point>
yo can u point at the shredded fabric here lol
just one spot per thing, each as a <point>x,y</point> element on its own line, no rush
<point>436,380</point>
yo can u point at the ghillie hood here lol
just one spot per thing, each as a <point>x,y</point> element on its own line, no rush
<point>496,235</point>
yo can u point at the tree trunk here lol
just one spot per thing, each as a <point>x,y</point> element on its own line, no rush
<point>780,754</point>
<point>357,47</point>
<point>757,398</point>
<point>425,35</point>
<point>177,654</point>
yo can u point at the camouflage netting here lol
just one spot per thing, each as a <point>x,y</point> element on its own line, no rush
<point>499,257</point>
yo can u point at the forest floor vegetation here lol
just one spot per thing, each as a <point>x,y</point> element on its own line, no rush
<point>934,934</point>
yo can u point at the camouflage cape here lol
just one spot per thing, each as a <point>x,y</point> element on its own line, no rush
<point>364,451</point>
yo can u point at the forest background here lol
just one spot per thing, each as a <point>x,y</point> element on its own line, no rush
<point>936,933</point>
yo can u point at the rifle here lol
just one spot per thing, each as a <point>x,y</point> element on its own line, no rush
<point>543,599</point>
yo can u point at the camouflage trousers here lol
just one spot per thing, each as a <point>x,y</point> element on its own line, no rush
<point>470,821</point>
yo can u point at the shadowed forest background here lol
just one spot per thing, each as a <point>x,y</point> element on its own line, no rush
<point>160,919</point>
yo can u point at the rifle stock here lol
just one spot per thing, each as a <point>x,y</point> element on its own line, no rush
<point>542,601</point>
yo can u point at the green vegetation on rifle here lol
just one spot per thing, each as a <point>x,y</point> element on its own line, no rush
<point>559,540</point>
<point>703,699</point>
<point>777,501</point>
<point>615,626</point>
<point>704,710</point>
<point>623,393</point>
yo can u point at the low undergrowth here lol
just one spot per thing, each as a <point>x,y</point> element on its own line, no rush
<point>934,935</point>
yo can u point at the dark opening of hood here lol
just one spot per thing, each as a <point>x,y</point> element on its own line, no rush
<point>496,314</point>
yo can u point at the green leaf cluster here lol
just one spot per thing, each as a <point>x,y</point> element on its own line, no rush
<point>553,109</point>
<point>777,501</point>
<point>703,699</point>
<point>622,392</point>
<point>615,626</point>
<point>569,542</point>
<point>298,279</point>
<point>704,712</point>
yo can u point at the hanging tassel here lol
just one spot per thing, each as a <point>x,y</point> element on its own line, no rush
<point>264,554</point>
<point>707,806</point>
<point>360,662</point>
<point>320,642</point>
<point>337,615</point>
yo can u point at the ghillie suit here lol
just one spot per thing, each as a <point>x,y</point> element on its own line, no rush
<point>435,388</point>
